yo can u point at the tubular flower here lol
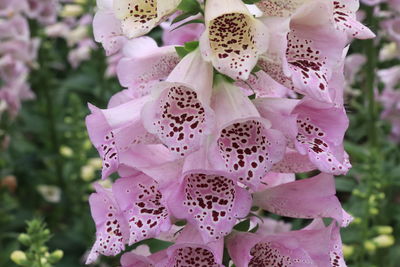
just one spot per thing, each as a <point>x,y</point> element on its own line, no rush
<point>233,39</point>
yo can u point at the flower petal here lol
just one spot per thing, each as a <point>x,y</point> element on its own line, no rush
<point>143,207</point>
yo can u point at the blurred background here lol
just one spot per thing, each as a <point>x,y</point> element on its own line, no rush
<point>50,68</point>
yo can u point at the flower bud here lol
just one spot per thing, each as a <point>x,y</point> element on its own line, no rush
<point>348,250</point>
<point>19,257</point>
<point>373,211</point>
<point>66,151</point>
<point>71,11</point>
<point>24,239</point>
<point>55,256</point>
<point>384,230</point>
<point>370,246</point>
<point>384,241</point>
<point>87,173</point>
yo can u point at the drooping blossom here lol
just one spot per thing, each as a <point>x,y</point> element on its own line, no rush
<point>233,39</point>
<point>315,245</point>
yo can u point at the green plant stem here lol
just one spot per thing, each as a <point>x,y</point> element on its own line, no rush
<point>370,52</point>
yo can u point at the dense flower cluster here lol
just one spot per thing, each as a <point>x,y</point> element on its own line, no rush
<point>18,50</point>
<point>218,121</point>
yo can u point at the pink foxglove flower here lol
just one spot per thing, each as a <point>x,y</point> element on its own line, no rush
<point>290,248</point>
<point>122,122</point>
<point>309,198</point>
<point>233,39</point>
<point>211,201</point>
<point>112,229</point>
<point>177,34</point>
<point>144,64</point>
<point>143,207</point>
<point>139,17</point>
<point>180,114</point>
<point>244,145</point>
<point>189,250</point>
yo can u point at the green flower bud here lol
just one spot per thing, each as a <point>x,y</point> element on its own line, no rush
<point>19,257</point>
<point>370,246</point>
<point>24,239</point>
<point>384,230</point>
<point>348,250</point>
<point>384,241</point>
<point>55,256</point>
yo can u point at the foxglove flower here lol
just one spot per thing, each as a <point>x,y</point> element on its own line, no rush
<point>244,145</point>
<point>211,201</point>
<point>180,114</point>
<point>145,64</point>
<point>233,39</point>
<point>290,248</point>
<point>189,250</point>
<point>309,198</point>
<point>179,33</point>
<point>122,122</point>
<point>112,229</point>
<point>313,134</point>
<point>143,207</point>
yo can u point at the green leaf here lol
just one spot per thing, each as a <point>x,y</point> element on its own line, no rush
<point>255,229</point>
<point>253,96</point>
<point>190,6</point>
<point>181,17</point>
<point>250,2</point>
<point>189,22</point>
<point>181,51</point>
<point>191,46</point>
<point>243,226</point>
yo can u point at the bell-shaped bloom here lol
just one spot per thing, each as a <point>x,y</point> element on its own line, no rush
<point>233,39</point>
<point>143,207</point>
<point>138,17</point>
<point>209,200</point>
<point>308,198</point>
<point>263,85</point>
<point>244,145</point>
<point>321,129</point>
<point>189,250</point>
<point>180,114</point>
<point>112,231</point>
<point>122,122</point>
<point>342,14</point>
<point>144,63</point>
<point>107,28</point>
<point>311,55</point>
<point>178,33</point>
<point>313,128</point>
<point>315,245</point>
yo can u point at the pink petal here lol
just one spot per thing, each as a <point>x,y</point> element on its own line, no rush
<point>308,198</point>
<point>111,228</point>
<point>211,201</point>
<point>143,207</point>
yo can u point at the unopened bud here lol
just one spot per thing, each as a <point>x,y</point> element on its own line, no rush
<point>24,239</point>
<point>87,173</point>
<point>19,257</point>
<point>347,250</point>
<point>66,151</point>
<point>55,256</point>
<point>384,241</point>
<point>370,246</point>
<point>384,230</point>
<point>373,211</point>
<point>71,11</point>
